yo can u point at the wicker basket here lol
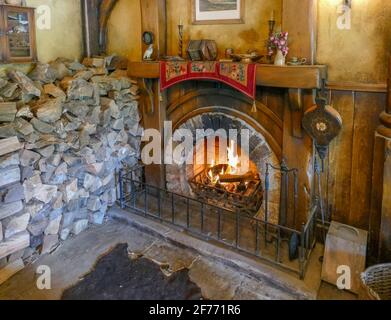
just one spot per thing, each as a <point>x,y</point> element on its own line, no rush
<point>377,282</point>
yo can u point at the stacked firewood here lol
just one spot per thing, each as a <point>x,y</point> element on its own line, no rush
<point>65,129</point>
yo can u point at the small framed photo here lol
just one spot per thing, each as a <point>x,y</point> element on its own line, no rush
<point>218,11</point>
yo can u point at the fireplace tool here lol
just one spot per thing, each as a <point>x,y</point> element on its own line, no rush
<point>323,123</point>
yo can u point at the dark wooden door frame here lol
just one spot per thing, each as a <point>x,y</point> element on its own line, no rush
<point>95,16</point>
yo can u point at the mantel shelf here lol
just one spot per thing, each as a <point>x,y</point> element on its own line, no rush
<point>291,77</point>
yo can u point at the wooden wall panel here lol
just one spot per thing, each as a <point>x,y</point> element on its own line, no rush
<point>366,120</point>
<point>385,243</point>
<point>340,159</point>
<point>350,161</point>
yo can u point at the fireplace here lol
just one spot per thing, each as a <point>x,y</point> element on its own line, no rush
<point>277,222</point>
<point>224,174</point>
<point>238,192</point>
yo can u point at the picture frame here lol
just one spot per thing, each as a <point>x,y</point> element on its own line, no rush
<point>211,12</point>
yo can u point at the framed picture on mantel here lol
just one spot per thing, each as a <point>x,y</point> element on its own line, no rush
<point>217,11</point>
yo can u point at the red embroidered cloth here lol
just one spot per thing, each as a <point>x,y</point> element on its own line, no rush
<point>240,76</point>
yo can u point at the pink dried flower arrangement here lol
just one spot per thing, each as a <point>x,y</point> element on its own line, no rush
<point>279,41</point>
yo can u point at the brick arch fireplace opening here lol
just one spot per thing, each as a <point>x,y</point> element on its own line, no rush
<point>179,177</point>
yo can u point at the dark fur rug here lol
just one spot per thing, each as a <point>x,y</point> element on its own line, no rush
<point>117,277</point>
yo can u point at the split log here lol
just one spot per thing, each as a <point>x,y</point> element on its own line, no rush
<point>15,243</point>
<point>230,178</point>
<point>7,111</point>
<point>9,145</point>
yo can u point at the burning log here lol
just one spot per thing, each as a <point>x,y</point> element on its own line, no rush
<point>230,178</point>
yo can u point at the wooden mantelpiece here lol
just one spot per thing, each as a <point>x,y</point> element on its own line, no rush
<point>290,77</point>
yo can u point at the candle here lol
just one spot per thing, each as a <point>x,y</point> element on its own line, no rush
<point>272,17</point>
<point>180,21</point>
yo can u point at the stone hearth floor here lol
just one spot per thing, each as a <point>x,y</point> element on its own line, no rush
<point>207,264</point>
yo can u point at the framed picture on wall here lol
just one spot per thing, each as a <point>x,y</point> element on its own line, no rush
<point>217,11</point>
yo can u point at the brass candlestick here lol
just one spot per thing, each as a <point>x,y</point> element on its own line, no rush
<point>180,40</point>
<point>272,24</point>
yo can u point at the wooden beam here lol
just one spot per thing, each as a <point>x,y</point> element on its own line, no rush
<point>146,70</point>
<point>380,213</point>
<point>95,16</point>
<point>154,19</point>
<point>357,87</point>
<point>90,20</point>
<point>291,77</point>
<point>105,9</point>
<point>304,77</point>
<point>385,227</point>
<point>300,19</point>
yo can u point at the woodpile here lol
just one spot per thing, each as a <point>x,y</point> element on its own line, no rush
<point>65,129</point>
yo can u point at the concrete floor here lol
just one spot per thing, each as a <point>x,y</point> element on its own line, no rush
<point>217,280</point>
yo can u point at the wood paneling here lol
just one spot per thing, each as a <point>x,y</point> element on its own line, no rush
<point>351,155</point>
<point>340,159</point>
<point>366,120</point>
<point>385,242</point>
<point>305,77</point>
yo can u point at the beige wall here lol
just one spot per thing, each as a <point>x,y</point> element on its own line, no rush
<point>125,27</point>
<point>241,37</point>
<point>359,54</point>
<point>352,55</point>
<point>64,39</point>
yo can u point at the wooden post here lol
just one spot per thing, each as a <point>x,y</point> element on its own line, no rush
<point>380,218</point>
<point>299,18</point>
<point>95,15</point>
<point>153,14</point>
<point>154,19</point>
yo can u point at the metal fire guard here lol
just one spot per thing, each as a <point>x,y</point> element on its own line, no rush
<point>281,246</point>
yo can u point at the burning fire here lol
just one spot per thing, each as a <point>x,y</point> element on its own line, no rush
<point>233,159</point>
<point>231,168</point>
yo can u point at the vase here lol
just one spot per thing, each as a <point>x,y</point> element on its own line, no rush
<point>279,60</point>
